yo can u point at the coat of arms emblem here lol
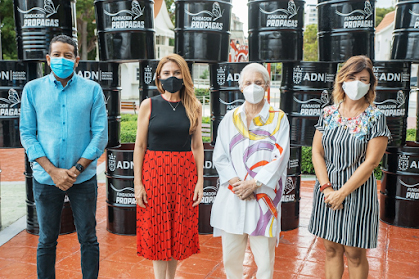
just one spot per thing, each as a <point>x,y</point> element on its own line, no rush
<point>221,75</point>
<point>403,162</point>
<point>297,75</point>
<point>148,75</point>
<point>111,162</point>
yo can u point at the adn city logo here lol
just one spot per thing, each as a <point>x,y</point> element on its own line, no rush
<point>299,76</point>
<point>221,75</point>
<point>148,74</point>
<point>403,162</point>
<point>111,162</point>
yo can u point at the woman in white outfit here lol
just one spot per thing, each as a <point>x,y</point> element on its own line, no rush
<point>251,156</point>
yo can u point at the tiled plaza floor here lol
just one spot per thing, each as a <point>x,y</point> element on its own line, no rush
<point>299,254</point>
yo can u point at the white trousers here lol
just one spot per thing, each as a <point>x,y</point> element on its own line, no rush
<point>234,247</point>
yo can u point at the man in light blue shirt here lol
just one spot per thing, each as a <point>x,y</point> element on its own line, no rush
<point>63,128</point>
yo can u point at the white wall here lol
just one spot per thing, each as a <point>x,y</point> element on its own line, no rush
<point>129,81</point>
<point>383,43</point>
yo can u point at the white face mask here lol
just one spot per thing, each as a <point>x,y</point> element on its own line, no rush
<point>355,90</point>
<point>253,93</point>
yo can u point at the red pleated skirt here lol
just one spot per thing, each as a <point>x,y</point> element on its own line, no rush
<point>168,227</point>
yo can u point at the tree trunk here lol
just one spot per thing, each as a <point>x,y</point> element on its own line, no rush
<point>84,40</point>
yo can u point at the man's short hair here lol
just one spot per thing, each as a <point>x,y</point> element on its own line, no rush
<point>64,39</point>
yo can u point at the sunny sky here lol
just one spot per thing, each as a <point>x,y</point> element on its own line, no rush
<point>240,8</point>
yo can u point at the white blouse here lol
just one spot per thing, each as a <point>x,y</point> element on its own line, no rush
<point>260,151</point>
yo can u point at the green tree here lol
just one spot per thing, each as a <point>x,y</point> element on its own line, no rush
<point>7,30</point>
<point>86,29</point>
<point>205,74</point>
<point>380,13</point>
<point>170,4</point>
<point>310,43</point>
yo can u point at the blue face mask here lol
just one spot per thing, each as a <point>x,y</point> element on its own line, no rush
<point>62,67</point>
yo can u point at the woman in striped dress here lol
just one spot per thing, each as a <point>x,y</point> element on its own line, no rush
<point>349,142</point>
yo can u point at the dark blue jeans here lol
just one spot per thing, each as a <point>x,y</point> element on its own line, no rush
<point>49,202</point>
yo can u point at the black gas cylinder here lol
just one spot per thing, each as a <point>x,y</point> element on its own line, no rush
<point>276,30</point>
<point>225,91</point>
<point>13,77</point>
<point>211,185</point>
<point>290,201</point>
<point>202,30</point>
<point>120,196</point>
<point>406,31</point>
<point>392,96</point>
<point>306,88</point>
<point>32,226</point>
<point>346,29</point>
<point>125,29</point>
<point>38,21</point>
<point>399,193</point>
<point>108,75</point>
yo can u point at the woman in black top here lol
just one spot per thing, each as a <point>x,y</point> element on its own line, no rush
<point>168,169</point>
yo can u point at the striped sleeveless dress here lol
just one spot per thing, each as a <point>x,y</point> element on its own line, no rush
<point>168,227</point>
<point>345,143</point>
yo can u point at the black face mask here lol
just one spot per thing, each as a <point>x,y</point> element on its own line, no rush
<point>172,84</point>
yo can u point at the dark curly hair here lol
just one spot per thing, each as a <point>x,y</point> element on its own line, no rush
<point>64,39</point>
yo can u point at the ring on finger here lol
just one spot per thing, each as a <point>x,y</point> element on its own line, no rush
<point>329,205</point>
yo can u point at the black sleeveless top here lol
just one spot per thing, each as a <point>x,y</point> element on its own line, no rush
<point>168,129</point>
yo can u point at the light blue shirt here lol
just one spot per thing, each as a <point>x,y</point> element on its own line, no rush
<point>63,124</point>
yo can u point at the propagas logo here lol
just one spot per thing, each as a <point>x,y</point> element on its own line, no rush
<point>48,9</point>
<point>39,16</point>
<point>393,107</point>
<point>127,18</point>
<point>290,12</point>
<point>207,19</point>
<point>282,17</point>
<point>367,11</point>
<point>135,11</point>
<point>8,107</point>
<point>289,186</point>
<point>358,18</point>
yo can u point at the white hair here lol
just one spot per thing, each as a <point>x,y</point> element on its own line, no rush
<point>256,67</point>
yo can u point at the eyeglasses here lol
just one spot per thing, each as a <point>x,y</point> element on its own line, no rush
<point>259,83</point>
